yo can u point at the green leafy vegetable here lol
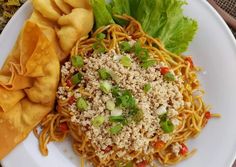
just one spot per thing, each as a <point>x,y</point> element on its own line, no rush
<point>101,14</point>
<point>161,19</point>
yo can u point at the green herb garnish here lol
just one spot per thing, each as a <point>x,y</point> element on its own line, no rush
<point>77,61</point>
<point>105,86</point>
<point>98,121</point>
<point>116,129</point>
<point>104,74</point>
<point>110,105</point>
<point>125,46</point>
<point>77,78</point>
<point>167,126</point>
<point>169,77</point>
<point>101,36</point>
<point>126,61</point>
<point>147,87</point>
<point>82,104</point>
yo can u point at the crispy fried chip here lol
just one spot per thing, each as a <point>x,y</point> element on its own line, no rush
<point>74,26</point>
<point>34,61</point>
<point>47,8</point>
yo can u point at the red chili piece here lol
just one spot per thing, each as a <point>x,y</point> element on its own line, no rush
<point>208,115</point>
<point>159,144</point>
<point>184,149</point>
<point>164,70</point>
<point>189,59</point>
<point>63,127</point>
<point>142,164</point>
<point>71,100</point>
<point>107,149</point>
<point>69,83</point>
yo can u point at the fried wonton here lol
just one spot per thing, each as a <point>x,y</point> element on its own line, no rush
<point>35,62</point>
<point>74,26</point>
<point>48,28</point>
<point>64,7</point>
<point>47,8</point>
<point>79,3</point>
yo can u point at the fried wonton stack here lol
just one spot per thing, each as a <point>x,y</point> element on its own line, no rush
<point>28,84</point>
<point>72,19</point>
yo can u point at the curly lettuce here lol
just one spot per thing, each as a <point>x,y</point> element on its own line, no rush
<point>161,19</point>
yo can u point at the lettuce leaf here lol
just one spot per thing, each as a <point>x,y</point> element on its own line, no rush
<point>161,19</point>
<point>101,14</point>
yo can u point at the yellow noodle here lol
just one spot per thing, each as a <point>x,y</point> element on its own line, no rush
<point>192,117</point>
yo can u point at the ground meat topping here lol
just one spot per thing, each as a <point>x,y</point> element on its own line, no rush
<point>163,98</point>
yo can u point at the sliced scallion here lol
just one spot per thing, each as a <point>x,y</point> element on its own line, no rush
<point>105,86</point>
<point>169,77</point>
<point>125,46</point>
<point>104,74</point>
<point>167,126</point>
<point>126,61</point>
<point>77,61</point>
<point>98,121</point>
<point>116,129</point>
<point>82,104</point>
<point>147,87</point>
<point>110,105</point>
<point>75,79</point>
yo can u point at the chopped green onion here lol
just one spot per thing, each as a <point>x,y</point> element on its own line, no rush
<point>120,118</point>
<point>143,56</point>
<point>116,129</point>
<point>138,116</point>
<point>105,86</point>
<point>114,76</point>
<point>169,77</point>
<point>75,79</point>
<point>125,46</point>
<point>126,61</point>
<point>82,104</point>
<point>129,164</point>
<point>116,91</point>
<point>98,121</point>
<point>116,112</point>
<point>148,63</point>
<point>163,117</point>
<point>126,100</point>
<point>77,61</point>
<point>101,36</point>
<point>147,87</point>
<point>99,48</point>
<point>133,111</point>
<point>167,126</point>
<point>104,74</point>
<point>110,105</point>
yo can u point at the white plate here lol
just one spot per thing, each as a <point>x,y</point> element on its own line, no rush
<point>214,49</point>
